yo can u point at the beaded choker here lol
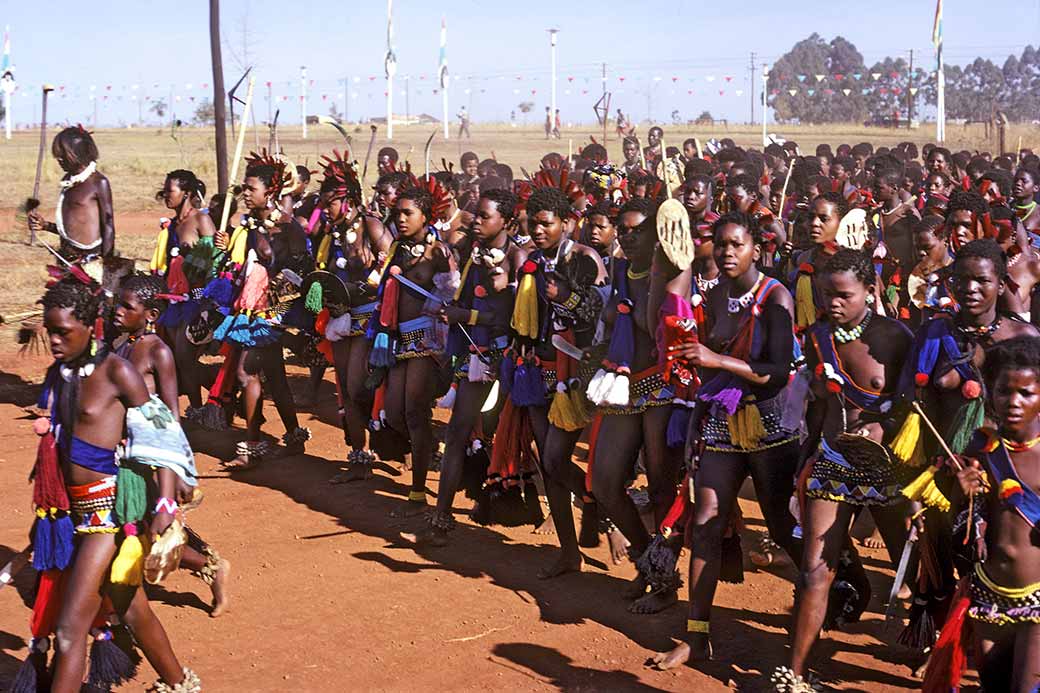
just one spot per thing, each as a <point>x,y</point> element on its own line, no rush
<point>1014,446</point>
<point>843,336</point>
<point>706,285</point>
<point>983,331</point>
<point>637,275</point>
<point>734,305</point>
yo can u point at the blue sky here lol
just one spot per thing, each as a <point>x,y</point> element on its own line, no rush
<point>690,46</point>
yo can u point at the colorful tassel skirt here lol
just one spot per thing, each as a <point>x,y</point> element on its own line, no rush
<point>868,481</point>
<point>359,317</point>
<point>418,339</point>
<point>92,505</point>
<point>993,603</point>
<point>646,389</point>
<point>717,435</point>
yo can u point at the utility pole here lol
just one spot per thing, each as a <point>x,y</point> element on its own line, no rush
<point>910,92</point>
<point>606,109</point>
<point>303,98</point>
<point>219,96</point>
<point>270,104</point>
<point>552,83</point>
<point>751,91</point>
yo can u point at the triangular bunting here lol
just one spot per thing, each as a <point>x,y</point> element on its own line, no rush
<point>846,92</point>
<point>819,78</point>
<point>792,92</point>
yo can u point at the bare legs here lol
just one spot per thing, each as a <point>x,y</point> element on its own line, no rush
<point>409,410</point>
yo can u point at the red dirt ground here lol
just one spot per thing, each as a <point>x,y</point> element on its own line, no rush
<point>326,596</point>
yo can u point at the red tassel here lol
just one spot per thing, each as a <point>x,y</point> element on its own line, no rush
<point>590,460</point>
<point>379,403</point>
<point>48,603</point>
<point>388,305</point>
<point>324,348</point>
<point>48,481</point>
<point>176,280</point>
<point>226,375</point>
<point>675,512</point>
<point>511,454</point>
<point>99,329</point>
<point>950,656</point>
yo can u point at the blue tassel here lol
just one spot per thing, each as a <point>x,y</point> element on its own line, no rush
<point>62,533</point>
<point>506,373</point>
<point>32,676</point>
<point>528,385</point>
<point>678,424</point>
<point>42,541</point>
<point>622,338</point>
<point>110,665</point>
<point>220,291</point>
<point>382,356</point>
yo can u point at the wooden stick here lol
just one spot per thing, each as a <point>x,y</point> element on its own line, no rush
<point>953,458</point>
<point>243,126</point>
<point>697,143</point>
<point>783,194</point>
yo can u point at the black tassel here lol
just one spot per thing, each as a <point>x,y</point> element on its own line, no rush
<point>919,633</point>
<point>213,417</point>
<point>474,473</point>
<point>535,516</point>
<point>481,512</point>
<point>110,664</point>
<point>33,675</point>
<point>732,566</point>
<point>850,592</point>
<point>507,506</point>
<point>657,563</point>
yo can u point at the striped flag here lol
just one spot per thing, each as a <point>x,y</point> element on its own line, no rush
<point>442,66</point>
<point>5,62</point>
<point>390,61</point>
<point>937,26</point>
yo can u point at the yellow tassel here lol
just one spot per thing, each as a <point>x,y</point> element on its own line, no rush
<point>525,310</point>
<point>907,443</point>
<point>128,565</point>
<point>804,306</point>
<point>578,403</point>
<point>158,263</point>
<point>746,430</point>
<point>322,257</point>
<point>923,489</point>
<point>237,245</point>
<point>564,415</point>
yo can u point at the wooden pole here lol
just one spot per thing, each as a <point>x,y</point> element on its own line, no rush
<point>242,127</point>
<point>39,157</point>
<point>219,112</point>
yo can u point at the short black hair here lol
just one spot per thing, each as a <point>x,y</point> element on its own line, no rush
<point>422,199</point>
<point>468,156</point>
<point>745,181</point>
<point>74,294</point>
<point>548,199</point>
<point>1002,179</point>
<point>976,167</point>
<point>859,263</point>
<point>390,152</point>
<point>737,219</point>
<point>504,200</point>
<point>595,152</point>
<point>940,150</point>
<point>836,199</point>
<point>695,167</point>
<point>188,182</point>
<point>303,173</point>
<point>966,199</point>
<point>863,149</point>
<point>643,205</point>
<point>75,146</point>
<point>935,225</point>
<point>983,249</point>
<point>1015,354</point>
<point>395,179</point>
<point>602,208</point>
<point>147,288</point>
<point>265,172</point>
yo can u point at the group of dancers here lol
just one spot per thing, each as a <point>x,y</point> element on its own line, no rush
<point>852,329</point>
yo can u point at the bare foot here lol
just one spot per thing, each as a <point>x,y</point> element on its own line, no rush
<point>635,589</point>
<point>588,535</point>
<point>681,654</point>
<point>547,527</point>
<point>409,509</point>
<point>618,546</point>
<point>874,541</point>
<point>564,565</point>
<point>221,599</point>
<point>356,472</point>
<point>656,601</point>
<point>904,592</point>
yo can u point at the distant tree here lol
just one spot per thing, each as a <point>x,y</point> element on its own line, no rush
<point>705,118</point>
<point>158,107</point>
<point>525,107</point>
<point>205,113</point>
<point>818,101</point>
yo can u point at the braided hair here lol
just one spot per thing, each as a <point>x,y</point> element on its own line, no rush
<point>855,261</point>
<point>147,288</point>
<point>74,294</point>
<point>1015,354</point>
<point>550,200</point>
<point>505,201</point>
<point>188,182</point>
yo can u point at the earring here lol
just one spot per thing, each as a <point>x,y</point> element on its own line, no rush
<point>870,299</point>
<point>149,326</point>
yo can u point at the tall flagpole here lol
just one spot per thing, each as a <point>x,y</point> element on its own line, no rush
<point>552,99</point>
<point>390,63</point>
<point>7,82</point>
<point>303,99</point>
<point>940,76</point>
<point>765,113</point>
<point>442,75</point>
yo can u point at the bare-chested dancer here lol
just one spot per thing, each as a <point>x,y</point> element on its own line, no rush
<point>83,219</point>
<point>92,390</point>
<point>137,311</point>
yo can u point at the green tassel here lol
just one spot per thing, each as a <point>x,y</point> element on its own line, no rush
<point>968,418</point>
<point>313,302</point>
<point>131,494</point>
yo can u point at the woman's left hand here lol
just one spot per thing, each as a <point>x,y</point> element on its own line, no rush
<point>160,522</point>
